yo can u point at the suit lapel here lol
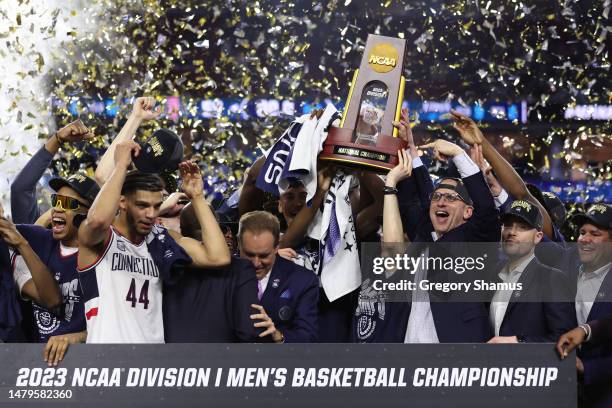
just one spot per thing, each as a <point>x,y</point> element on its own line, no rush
<point>270,294</point>
<point>526,278</point>
<point>604,293</point>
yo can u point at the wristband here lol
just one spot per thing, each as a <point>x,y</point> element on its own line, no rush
<point>389,190</point>
<point>587,331</point>
<point>59,141</point>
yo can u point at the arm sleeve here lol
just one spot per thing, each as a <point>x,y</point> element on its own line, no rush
<point>597,370</point>
<point>560,316</point>
<point>304,327</point>
<point>21,273</point>
<point>465,165</point>
<point>23,190</point>
<point>485,225</point>
<point>245,295</point>
<point>502,199</point>
<point>601,330</point>
<point>413,198</point>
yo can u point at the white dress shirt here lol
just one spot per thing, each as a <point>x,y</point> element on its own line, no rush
<point>500,300</point>
<point>262,284</point>
<point>589,284</point>
<point>421,327</point>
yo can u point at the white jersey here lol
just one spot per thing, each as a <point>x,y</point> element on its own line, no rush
<point>123,294</point>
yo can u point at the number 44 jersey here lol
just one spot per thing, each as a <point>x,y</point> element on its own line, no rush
<point>123,294</point>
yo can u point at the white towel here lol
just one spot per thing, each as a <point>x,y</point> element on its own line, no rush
<point>306,149</point>
<point>340,270</point>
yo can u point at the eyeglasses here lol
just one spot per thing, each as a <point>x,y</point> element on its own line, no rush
<point>451,198</point>
<point>66,203</point>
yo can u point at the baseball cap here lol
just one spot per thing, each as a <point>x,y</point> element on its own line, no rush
<point>459,189</point>
<point>527,212</point>
<point>162,151</point>
<point>598,214</point>
<point>85,186</point>
<point>553,205</point>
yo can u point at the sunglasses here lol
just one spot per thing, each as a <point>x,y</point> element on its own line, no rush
<point>66,203</point>
<point>451,198</point>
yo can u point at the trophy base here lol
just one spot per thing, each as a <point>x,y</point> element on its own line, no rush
<point>340,148</point>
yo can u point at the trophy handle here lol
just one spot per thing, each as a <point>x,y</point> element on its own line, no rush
<point>400,102</point>
<point>348,98</point>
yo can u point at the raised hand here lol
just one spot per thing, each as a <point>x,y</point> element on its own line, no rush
<point>287,253</point>
<point>325,176</point>
<point>192,185</point>
<point>403,127</point>
<point>10,234</point>
<point>467,128</point>
<point>125,151</point>
<point>400,172</point>
<point>478,158</point>
<point>143,108</point>
<point>443,149</point>
<point>74,132</point>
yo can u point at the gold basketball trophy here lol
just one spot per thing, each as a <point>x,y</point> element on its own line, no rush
<point>366,137</point>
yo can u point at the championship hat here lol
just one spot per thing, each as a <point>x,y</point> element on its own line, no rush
<point>527,212</point>
<point>85,186</point>
<point>162,151</point>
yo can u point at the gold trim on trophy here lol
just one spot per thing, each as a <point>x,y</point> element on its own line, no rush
<point>366,136</point>
<point>400,101</point>
<point>348,98</point>
<point>377,167</point>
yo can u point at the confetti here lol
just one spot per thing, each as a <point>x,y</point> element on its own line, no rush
<point>58,57</point>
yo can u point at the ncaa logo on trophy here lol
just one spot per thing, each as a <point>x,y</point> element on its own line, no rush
<point>366,137</point>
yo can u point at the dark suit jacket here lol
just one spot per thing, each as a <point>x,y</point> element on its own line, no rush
<point>10,313</point>
<point>597,356</point>
<point>601,329</point>
<point>212,306</point>
<point>291,299</point>
<point>536,312</point>
<point>455,321</point>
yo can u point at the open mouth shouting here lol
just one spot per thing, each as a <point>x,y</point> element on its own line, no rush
<point>58,224</point>
<point>441,216</point>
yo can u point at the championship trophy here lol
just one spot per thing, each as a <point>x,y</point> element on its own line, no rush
<point>366,137</point>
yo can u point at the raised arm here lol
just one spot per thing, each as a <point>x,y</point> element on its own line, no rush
<point>413,192</point>
<point>296,232</point>
<point>508,177</point>
<point>23,189</point>
<point>41,286</point>
<point>371,204</point>
<point>212,252</point>
<point>393,230</point>
<point>142,111</point>
<point>94,229</point>
<point>251,198</point>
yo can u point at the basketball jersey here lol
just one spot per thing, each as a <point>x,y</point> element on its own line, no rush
<point>62,263</point>
<point>123,294</point>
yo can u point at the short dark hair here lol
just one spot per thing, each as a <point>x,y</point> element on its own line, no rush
<point>137,180</point>
<point>259,221</point>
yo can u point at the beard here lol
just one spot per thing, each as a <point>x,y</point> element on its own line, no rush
<point>135,225</point>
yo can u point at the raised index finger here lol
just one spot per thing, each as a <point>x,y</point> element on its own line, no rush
<point>428,145</point>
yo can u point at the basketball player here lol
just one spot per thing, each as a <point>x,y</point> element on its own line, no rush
<point>124,257</point>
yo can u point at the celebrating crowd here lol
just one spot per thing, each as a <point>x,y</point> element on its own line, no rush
<point>121,257</point>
